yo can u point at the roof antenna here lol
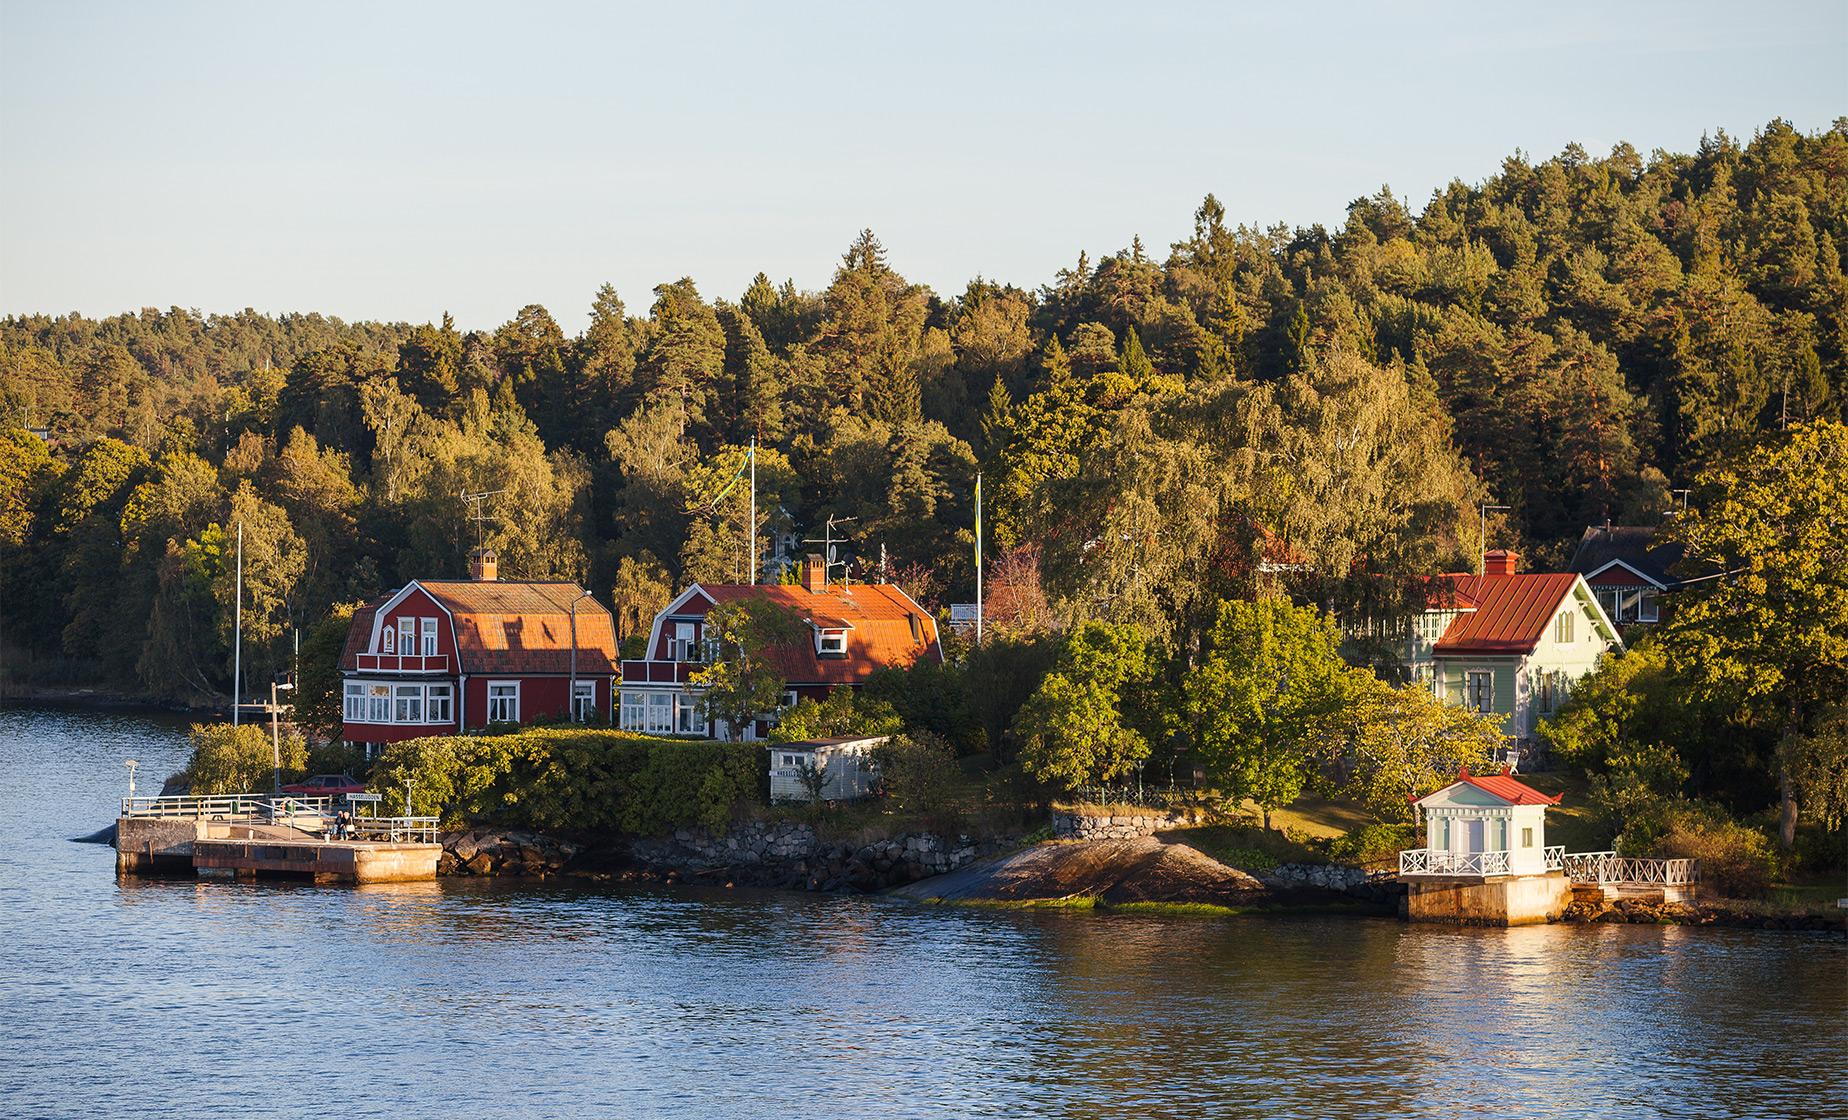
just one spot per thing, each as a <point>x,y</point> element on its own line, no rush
<point>828,561</point>
<point>479,511</point>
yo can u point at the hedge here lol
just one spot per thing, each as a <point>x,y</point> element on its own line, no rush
<point>574,778</point>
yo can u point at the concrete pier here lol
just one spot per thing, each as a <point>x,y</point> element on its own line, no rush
<point>166,846</point>
<point>1490,900</point>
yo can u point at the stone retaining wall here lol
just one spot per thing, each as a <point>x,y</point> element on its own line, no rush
<point>1079,824</point>
<point>792,854</point>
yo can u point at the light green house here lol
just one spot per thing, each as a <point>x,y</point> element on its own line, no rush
<point>1510,644</point>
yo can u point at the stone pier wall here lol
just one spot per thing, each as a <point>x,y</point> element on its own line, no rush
<point>1087,824</point>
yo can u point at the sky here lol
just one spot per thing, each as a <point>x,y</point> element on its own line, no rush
<point>394,161</point>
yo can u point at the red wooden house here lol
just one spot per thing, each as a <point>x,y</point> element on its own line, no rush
<point>439,657</point>
<point>854,631</point>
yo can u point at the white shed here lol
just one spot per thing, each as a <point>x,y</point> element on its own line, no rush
<point>1492,825</point>
<point>846,762</point>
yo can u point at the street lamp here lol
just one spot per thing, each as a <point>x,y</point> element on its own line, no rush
<point>131,764</point>
<point>571,701</point>
<point>276,736</point>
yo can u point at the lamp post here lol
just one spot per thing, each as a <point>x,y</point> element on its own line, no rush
<point>571,701</point>
<point>276,736</point>
<point>131,764</point>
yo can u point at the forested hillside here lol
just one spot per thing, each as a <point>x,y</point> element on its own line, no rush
<point>1571,338</point>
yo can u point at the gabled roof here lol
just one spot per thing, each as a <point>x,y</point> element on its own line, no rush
<point>1636,547</point>
<point>1503,786</point>
<point>1503,614</point>
<point>878,618</point>
<point>507,626</point>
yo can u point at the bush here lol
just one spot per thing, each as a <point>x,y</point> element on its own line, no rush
<point>227,759</point>
<point>1735,861</point>
<point>1371,843</point>
<point>917,771</point>
<point>575,778</point>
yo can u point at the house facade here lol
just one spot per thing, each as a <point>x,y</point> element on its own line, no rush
<point>1629,568</point>
<point>439,657</point>
<point>1509,644</point>
<point>853,631</point>
<point>844,765</point>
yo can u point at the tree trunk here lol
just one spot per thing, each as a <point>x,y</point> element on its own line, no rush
<point>1267,820</point>
<point>1786,797</point>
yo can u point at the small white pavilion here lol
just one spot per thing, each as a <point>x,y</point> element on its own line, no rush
<point>1483,826</point>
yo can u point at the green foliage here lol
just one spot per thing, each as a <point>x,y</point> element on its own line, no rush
<point>1638,792</point>
<point>930,696</point>
<point>1262,699</point>
<point>742,681</point>
<point>1736,861</point>
<point>318,688</point>
<point>917,773</point>
<point>1393,744</point>
<point>842,713</point>
<point>574,778</point>
<point>240,759</point>
<point>1079,727</point>
<point>1371,843</point>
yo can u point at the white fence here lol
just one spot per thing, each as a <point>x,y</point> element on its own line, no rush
<point>1609,867</point>
<point>226,807</point>
<point>1423,861</point>
<point>396,830</point>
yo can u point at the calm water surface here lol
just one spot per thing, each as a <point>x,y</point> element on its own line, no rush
<point>460,999</point>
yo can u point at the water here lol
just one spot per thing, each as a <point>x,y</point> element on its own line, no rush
<point>464,999</point>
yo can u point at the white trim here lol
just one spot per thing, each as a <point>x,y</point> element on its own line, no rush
<point>1584,591</point>
<point>661,617</point>
<point>1628,567</point>
<point>489,714</point>
<point>379,613</point>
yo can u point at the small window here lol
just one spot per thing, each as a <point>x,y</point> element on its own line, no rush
<point>1562,627</point>
<point>407,636</point>
<point>834,643</point>
<point>429,637</point>
<point>388,641</point>
<point>408,704</point>
<point>1527,838</point>
<point>583,700</point>
<point>917,629</point>
<point>503,702</point>
<point>354,707</point>
<point>437,706</point>
<point>1479,690</point>
<point>1646,610</point>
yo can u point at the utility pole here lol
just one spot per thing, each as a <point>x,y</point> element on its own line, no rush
<point>1482,536</point>
<point>237,651</point>
<point>978,558</point>
<point>275,709</point>
<point>571,703</point>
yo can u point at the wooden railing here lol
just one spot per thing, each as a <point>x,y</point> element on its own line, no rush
<point>225,807</point>
<point>1423,861</point>
<point>402,662</point>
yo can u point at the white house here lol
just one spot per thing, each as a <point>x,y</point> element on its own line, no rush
<point>847,764</point>
<point>1492,825</point>
<point>1507,643</point>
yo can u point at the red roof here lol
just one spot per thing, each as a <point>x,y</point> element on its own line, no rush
<point>511,627</point>
<point>1503,613</point>
<point>878,618</point>
<point>1508,788</point>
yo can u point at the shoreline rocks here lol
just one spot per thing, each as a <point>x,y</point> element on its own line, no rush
<point>504,851</point>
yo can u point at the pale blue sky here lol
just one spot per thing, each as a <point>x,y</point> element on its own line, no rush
<point>391,161</point>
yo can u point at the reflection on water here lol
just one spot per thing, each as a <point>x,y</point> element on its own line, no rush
<point>479,998</point>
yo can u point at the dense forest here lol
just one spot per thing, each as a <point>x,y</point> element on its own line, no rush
<point>1573,339</point>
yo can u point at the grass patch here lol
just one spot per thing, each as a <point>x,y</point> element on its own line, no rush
<point>1575,822</point>
<point>1247,847</point>
<point>1177,909</point>
<point>1077,902</point>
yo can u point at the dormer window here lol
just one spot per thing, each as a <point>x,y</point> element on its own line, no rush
<point>833,643</point>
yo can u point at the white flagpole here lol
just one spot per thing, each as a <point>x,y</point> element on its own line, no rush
<point>978,558</point>
<point>750,528</point>
<point>237,654</point>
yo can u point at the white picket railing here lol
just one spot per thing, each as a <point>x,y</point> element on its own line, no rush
<point>1609,867</point>
<point>1555,857</point>
<point>1423,861</point>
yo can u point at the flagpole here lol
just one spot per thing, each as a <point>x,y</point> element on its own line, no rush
<point>750,528</point>
<point>237,626</point>
<point>978,558</point>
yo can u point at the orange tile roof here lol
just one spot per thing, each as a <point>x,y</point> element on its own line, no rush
<point>513,627</point>
<point>1508,788</point>
<point>876,616</point>
<point>358,632</point>
<point>1510,612</point>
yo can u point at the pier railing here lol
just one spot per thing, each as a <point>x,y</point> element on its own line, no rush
<point>226,807</point>
<point>1609,867</point>
<point>1423,861</point>
<point>397,830</point>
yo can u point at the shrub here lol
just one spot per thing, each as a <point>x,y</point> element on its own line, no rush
<point>1735,861</point>
<point>917,772</point>
<point>575,778</point>
<point>227,759</point>
<point>1371,843</point>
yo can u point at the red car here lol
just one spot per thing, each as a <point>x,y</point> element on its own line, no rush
<point>325,785</point>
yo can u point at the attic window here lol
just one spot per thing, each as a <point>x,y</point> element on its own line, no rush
<point>833,643</point>
<point>917,632</point>
<point>1562,628</point>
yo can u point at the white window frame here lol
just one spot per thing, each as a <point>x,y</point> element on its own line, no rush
<point>353,702</point>
<point>508,691</point>
<point>1648,606</point>
<point>1564,631</point>
<point>833,643</point>
<point>429,637</point>
<point>407,703</point>
<point>378,702</point>
<point>1479,690</point>
<point>583,700</point>
<point>683,642</point>
<point>439,694</point>
<point>661,705</point>
<point>687,718</point>
<point>388,641</point>
<point>633,711</point>
<point>407,636</point>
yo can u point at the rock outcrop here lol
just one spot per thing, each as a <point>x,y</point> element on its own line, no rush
<point>503,851</point>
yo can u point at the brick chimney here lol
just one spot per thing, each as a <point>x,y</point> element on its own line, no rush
<point>1500,562</point>
<point>483,566</point>
<point>815,574</point>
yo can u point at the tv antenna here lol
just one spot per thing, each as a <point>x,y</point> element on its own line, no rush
<point>478,510</point>
<point>827,542</point>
